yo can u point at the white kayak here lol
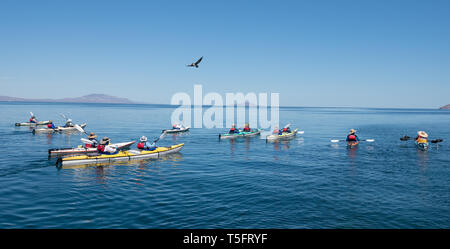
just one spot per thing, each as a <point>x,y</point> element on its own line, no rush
<point>83,150</point>
<point>184,129</point>
<point>57,129</point>
<point>33,124</point>
<point>286,135</point>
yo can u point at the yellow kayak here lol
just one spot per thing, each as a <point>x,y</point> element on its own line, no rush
<point>120,156</point>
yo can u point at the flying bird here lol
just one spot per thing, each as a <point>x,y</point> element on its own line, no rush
<point>195,64</point>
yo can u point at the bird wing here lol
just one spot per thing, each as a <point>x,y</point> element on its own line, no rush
<point>199,60</point>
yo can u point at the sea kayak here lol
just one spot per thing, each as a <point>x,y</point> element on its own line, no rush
<point>352,144</point>
<point>57,129</point>
<point>83,150</point>
<point>422,146</point>
<point>33,124</point>
<point>285,135</point>
<point>184,129</point>
<point>120,156</point>
<point>252,133</point>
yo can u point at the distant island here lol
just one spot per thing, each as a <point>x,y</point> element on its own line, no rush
<point>91,98</point>
<point>445,107</point>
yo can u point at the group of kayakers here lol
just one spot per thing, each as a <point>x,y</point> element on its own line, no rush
<point>279,131</point>
<point>68,123</point>
<point>105,147</point>
<point>234,130</point>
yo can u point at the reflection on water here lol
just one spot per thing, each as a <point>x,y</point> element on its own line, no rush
<point>352,152</point>
<point>176,136</point>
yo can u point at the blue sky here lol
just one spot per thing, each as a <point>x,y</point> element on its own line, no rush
<point>314,53</point>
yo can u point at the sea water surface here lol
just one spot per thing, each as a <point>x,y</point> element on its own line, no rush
<point>306,182</point>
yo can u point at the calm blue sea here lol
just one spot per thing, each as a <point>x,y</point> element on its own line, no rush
<point>306,182</point>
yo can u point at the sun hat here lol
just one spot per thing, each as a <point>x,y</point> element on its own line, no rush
<point>92,135</point>
<point>143,139</point>
<point>422,134</point>
<point>352,131</point>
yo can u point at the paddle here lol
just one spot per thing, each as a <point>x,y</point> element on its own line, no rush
<point>342,140</point>
<point>434,141</point>
<point>300,132</point>
<point>86,141</point>
<point>405,138</point>
<point>80,129</point>
<point>160,137</point>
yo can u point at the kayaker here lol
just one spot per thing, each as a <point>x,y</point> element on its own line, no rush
<point>33,119</point>
<point>276,130</point>
<point>422,137</point>
<point>69,123</point>
<point>145,145</point>
<point>105,148</point>
<point>92,137</point>
<point>352,136</point>
<point>247,128</point>
<point>233,129</point>
<point>177,126</point>
<point>51,125</point>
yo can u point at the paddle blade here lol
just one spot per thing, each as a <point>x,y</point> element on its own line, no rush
<point>370,140</point>
<point>86,141</point>
<point>335,140</point>
<point>79,128</point>
<point>300,132</point>
<point>405,138</point>
<point>31,113</point>
<point>287,125</point>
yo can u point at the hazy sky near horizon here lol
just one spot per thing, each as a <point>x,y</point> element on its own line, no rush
<point>314,53</point>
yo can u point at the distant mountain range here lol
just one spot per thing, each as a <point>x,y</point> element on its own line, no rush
<point>91,98</point>
<point>445,107</point>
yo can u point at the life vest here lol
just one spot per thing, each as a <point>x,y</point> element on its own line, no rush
<point>101,148</point>
<point>247,129</point>
<point>32,120</point>
<point>421,140</point>
<point>88,146</point>
<point>232,130</point>
<point>351,138</point>
<point>276,131</point>
<point>141,146</point>
<point>285,130</point>
<point>50,126</point>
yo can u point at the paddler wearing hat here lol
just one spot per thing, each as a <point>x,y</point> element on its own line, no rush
<point>352,136</point>
<point>104,147</point>
<point>422,137</point>
<point>92,137</point>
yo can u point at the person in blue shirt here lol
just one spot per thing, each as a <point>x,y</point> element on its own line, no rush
<point>51,125</point>
<point>145,145</point>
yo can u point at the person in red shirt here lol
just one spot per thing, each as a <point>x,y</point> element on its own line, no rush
<point>233,129</point>
<point>247,128</point>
